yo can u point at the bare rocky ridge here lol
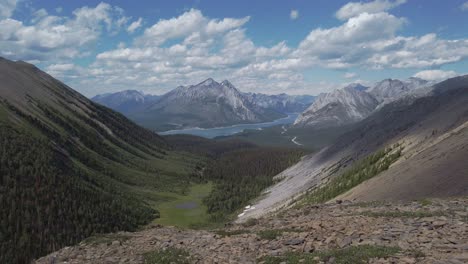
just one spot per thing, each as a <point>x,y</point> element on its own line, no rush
<point>424,232</point>
<point>389,90</point>
<point>340,107</point>
<point>356,102</point>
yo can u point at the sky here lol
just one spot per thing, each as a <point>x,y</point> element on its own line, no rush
<point>295,47</point>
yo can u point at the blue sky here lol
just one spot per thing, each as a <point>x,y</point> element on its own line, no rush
<point>297,47</point>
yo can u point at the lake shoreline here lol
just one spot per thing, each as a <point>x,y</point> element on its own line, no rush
<point>230,130</point>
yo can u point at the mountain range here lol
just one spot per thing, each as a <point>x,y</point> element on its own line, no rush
<point>207,104</point>
<point>356,102</point>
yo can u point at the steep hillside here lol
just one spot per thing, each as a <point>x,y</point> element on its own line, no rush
<point>126,102</point>
<point>207,104</point>
<point>71,168</point>
<point>433,162</point>
<point>431,133</point>
<point>338,108</point>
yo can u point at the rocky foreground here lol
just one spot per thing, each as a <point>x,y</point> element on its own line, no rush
<point>428,231</point>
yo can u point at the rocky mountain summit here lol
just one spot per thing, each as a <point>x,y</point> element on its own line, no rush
<point>390,89</point>
<point>207,104</point>
<point>340,107</point>
<point>356,102</point>
<point>425,231</point>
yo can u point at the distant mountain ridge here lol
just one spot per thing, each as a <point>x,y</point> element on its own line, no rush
<point>127,101</point>
<point>207,104</point>
<point>355,101</point>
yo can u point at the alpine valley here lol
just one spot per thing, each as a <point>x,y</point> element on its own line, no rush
<point>341,136</point>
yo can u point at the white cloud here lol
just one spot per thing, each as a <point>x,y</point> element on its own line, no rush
<point>353,9</point>
<point>7,7</point>
<point>435,75</point>
<point>173,28</point>
<point>59,9</point>
<point>60,67</point>
<point>341,46</point>
<point>349,75</point>
<point>38,14</point>
<point>371,40</point>
<point>135,25</point>
<point>294,14</point>
<point>93,17</point>
<point>464,6</point>
<point>55,38</point>
<point>216,26</point>
<point>191,25</point>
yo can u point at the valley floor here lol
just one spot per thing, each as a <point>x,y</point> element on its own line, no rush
<point>184,210</point>
<point>426,231</point>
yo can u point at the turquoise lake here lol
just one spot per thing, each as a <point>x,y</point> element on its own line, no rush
<point>230,130</point>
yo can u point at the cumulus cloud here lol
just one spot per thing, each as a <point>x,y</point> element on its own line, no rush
<point>435,75</point>
<point>353,9</point>
<point>371,40</point>
<point>349,75</point>
<point>191,24</point>
<point>7,7</point>
<point>52,37</point>
<point>135,25</point>
<point>342,46</point>
<point>294,14</point>
<point>38,14</point>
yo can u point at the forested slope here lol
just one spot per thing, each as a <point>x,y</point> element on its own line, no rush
<point>70,168</point>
